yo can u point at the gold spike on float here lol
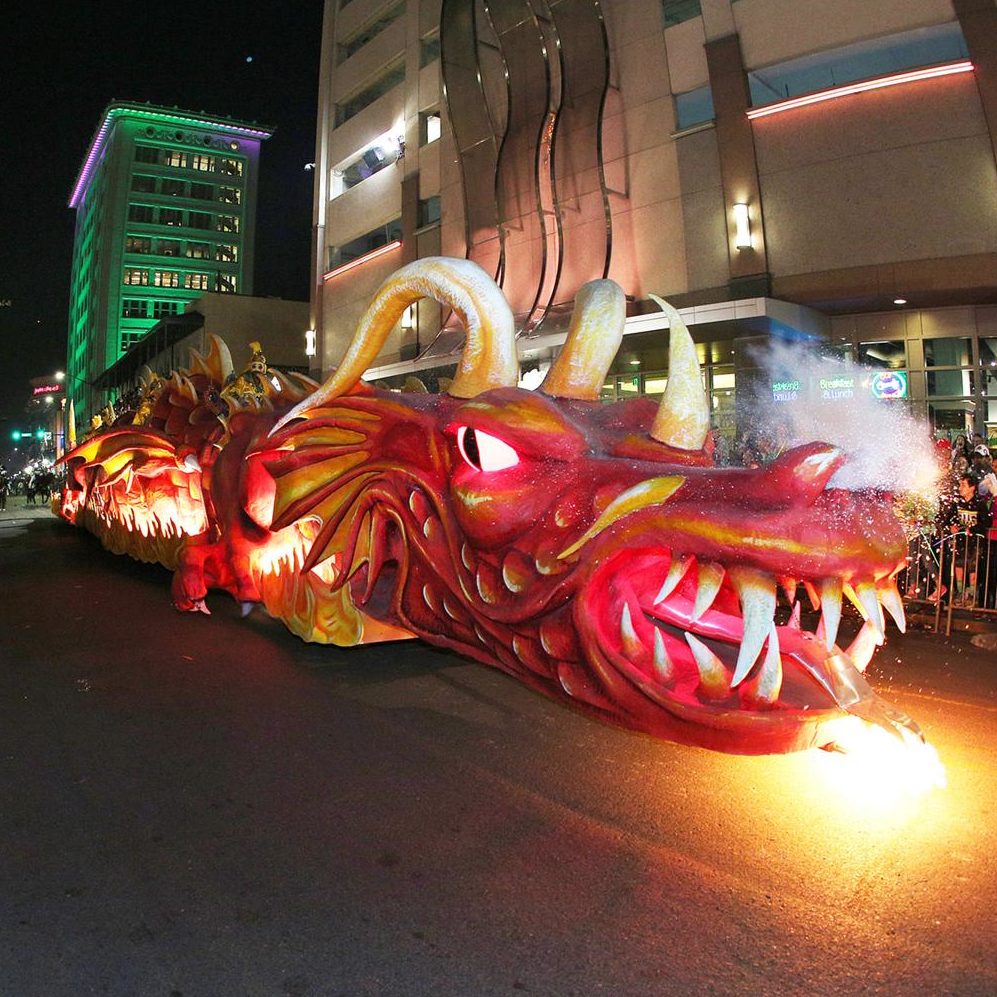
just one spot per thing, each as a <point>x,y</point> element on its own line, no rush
<point>683,418</point>
<point>489,358</point>
<point>594,336</point>
<point>71,426</point>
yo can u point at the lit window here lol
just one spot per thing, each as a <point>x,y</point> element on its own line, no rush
<point>382,152</point>
<point>203,163</point>
<point>226,283</point>
<point>166,278</point>
<point>230,167</point>
<point>227,254</point>
<point>170,216</point>
<point>136,277</point>
<point>138,244</point>
<point>196,281</point>
<point>230,195</point>
<point>133,308</point>
<point>430,126</point>
<point>227,223</point>
<point>173,157</point>
<point>198,251</point>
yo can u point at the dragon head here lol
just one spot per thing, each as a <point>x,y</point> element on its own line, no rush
<point>594,551</point>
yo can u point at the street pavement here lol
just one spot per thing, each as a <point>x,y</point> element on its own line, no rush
<point>203,806</point>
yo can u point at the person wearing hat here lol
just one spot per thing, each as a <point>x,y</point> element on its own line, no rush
<point>983,468</point>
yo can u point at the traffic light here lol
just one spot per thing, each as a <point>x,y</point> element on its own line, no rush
<point>15,435</point>
<point>39,434</point>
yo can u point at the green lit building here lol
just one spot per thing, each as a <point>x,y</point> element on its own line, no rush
<point>165,211</point>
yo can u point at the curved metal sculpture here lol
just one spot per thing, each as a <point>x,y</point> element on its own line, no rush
<point>593,551</point>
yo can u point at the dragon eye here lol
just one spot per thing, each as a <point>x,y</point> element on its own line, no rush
<point>484,452</point>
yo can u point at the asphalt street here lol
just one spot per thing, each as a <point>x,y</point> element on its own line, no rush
<point>203,806</point>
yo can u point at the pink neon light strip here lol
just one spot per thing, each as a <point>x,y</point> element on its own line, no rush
<point>360,260</point>
<point>882,81</point>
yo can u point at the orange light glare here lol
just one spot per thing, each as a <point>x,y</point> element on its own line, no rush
<point>932,72</point>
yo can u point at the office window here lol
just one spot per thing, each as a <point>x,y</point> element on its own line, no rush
<point>205,164</point>
<point>140,213</point>
<point>199,219</point>
<point>138,244</point>
<point>172,188</point>
<point>677,11</point>
<point>860,61</point>
<point>429,211</point>
<point>394,75</point>
<point>429,49</point>
<point>146,154</point>
<point>173,157</point>
<point>161,309</point>
<point>430,126</point>
<point>369,241</point>
<point>230,195</point>
<point>202,191</point>
<point>129,339</point>
<point>227,223</point>
<point>133,308</point>
<point>136,278</point>
<point>166,278</point>
<point>954,352</point>
<point>694,107</point>
<point>226,253</point>
<point>226,283</point>
<point>372,160</point>
<point>168,247</point>
<point>198,251</point>
<point>143,184</point>
<point>369,31</point>
<point>230,167</point>
<point>171,216</point>
<point>196,281</point>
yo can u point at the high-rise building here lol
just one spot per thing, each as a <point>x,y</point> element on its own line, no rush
<point>165,210</point>
<point>773,168</point>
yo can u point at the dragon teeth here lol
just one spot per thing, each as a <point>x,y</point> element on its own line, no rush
<point>830,602</point>
<point>867,595</point>
<point>756,591</point>
<point>664,670</point>
<point>767,685</point>
<point>714,679</point>
<point>789,586</point>
<point>862,647</point>
<point>893,603</point>
<point>632,646</point>
<point>676,572</point>
<point>794,617</point>
<point>711,577</point>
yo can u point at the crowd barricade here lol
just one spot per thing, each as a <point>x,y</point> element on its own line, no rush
<point>951,573</point>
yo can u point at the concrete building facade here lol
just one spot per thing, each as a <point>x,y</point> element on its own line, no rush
<point>774,168</point>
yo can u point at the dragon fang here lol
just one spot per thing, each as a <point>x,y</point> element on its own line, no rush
<point>592,551</point>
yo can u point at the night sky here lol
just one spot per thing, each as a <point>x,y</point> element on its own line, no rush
<point>253,62</point>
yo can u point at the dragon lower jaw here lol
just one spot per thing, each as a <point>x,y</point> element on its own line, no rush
<point>701,642</point>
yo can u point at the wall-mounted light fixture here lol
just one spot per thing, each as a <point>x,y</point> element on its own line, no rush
<point>742,227</point>
<point>310,349</point>
<point>408,317</point>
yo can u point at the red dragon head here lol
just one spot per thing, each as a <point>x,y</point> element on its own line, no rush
<point>593,551</point>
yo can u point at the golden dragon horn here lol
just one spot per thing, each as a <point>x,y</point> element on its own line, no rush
<point>594,336</point>
<point>683,417</point>
<point>489,358</point>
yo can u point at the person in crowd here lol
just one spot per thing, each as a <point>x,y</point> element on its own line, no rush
<point>4,489</point>
<point>983,468</point>
<point>966,518</point>
<point>960,448</point>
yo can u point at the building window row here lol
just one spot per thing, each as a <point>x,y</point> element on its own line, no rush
<point>150,214</point>
<point>191,280</point>
<point>677,11</point>
<point>388,80</point>
<point>145,245</point>
<point>366,243</point>
<point>156,308</point>
<point>369,32</point>
<point>381,153</point>
<point>171,187</point>
<point>202,162</point>
<point>860,61</point>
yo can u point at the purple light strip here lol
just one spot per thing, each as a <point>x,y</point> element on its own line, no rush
<point>116,112</point>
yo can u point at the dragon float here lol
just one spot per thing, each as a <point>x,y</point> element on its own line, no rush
<point>593,551</point>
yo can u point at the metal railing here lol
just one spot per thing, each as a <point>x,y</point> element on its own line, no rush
<point>952,573</point>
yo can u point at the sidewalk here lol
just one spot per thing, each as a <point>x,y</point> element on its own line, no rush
<point>17,508</point>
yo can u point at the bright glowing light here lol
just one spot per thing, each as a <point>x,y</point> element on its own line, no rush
<point>865,85</point>
<point>742,227</point>
<point>310,347</point>
<point>900,301</point>
<point>876,771</point>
